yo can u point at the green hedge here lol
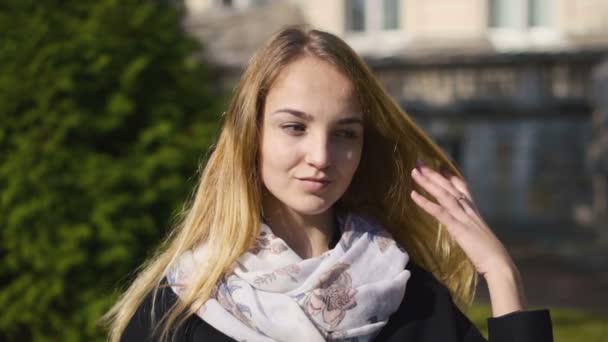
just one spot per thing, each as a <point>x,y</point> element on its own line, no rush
<point>104,118</point>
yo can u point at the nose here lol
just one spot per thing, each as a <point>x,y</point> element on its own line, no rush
<point>318,152</point>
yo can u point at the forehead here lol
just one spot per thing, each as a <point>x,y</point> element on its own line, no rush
<point>312,85</point>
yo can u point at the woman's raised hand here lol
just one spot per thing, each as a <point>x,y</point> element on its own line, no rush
<point>455,209</point>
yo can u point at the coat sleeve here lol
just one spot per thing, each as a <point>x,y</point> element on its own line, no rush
<point>525,326</point>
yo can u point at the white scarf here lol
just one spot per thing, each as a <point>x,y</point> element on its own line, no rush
<point>272,294</point>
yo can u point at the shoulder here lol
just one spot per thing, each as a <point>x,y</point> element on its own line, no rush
<point>427,313</point>
<point>422,276</point>
<point>423,290</point>
<point>423,287</point>
<point>144,325</point>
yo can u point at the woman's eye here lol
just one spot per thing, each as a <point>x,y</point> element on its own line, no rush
<point>294,128</point>
<point>345,133</point>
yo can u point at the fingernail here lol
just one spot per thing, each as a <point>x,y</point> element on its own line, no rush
<point>419,164</point>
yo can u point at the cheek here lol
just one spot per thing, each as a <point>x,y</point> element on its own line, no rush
<point>349,160</point>
<point>353,157</point>
<point>277,155</point>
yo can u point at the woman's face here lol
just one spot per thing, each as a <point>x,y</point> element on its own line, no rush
<point>312,136</point>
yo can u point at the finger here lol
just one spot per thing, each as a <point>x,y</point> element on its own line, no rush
<point>444,197</point>
<point>441,214</point>
<point>460,185</point>
<point>469,207</point>
<point>457,183</point>
<point>453,184</point>
<point>439,179</point>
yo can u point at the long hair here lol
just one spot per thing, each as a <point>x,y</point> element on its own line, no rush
<point>224,212</point>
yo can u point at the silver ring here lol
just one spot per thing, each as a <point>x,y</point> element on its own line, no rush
<point>462,197</point>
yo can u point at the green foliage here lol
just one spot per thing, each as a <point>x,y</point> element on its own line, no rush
<point>104,117</point>
<point>569,325</point>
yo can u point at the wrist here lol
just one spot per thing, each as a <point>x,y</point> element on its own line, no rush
<point>506,290</point>
<point>504,271</point>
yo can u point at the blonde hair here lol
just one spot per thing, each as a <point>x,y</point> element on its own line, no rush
<point>225,209</point>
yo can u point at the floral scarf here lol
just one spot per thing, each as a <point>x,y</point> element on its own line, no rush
<point>272,294</point>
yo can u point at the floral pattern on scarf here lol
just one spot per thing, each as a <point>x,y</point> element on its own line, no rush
<point>357,227</point>
<point>223,294</point>
<point>333,296</point>
<point>272,294</point>
<point>287,271</point>
<point>268,242</point>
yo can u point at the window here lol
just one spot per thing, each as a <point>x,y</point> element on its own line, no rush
<point>503,13</point>
<point>258,3</point>
<point>372,15</point>
<point>240,4</point>
<point>520,14</point>
<point>539,12</point>
<point>391,15</point>
<point>355,15</point>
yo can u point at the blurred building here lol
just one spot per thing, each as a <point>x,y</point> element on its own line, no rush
<point>503,85</point>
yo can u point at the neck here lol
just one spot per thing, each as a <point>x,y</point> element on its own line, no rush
<point>307,235</point>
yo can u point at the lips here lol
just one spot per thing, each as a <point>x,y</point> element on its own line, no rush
<point>314,184</point>
<point>318,180</point>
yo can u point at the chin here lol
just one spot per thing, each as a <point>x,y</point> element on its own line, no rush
<point>311,206</point>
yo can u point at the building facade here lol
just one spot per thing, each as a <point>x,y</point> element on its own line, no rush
<point>391,26</point>
<point>503,85</point>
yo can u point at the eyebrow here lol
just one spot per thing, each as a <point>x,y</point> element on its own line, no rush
<point>305,116</point>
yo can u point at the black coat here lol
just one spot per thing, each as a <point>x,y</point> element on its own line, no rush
<point>427,313</point>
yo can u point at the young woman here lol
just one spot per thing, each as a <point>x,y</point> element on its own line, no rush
<point>324,213</point>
